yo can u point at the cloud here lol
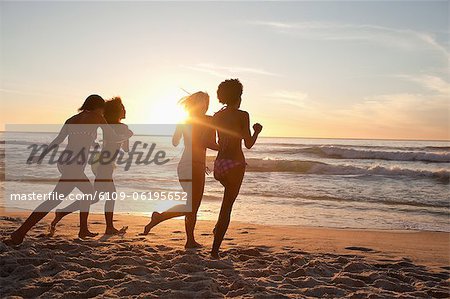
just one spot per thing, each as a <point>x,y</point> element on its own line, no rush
<point>400,115</point>
<point>430,82</point>
<point>273,24</point>
<point>296,98</point>
<point>228,71</point>
<point>403,38</point>
<point>412,112</point>
<point>28,93</point>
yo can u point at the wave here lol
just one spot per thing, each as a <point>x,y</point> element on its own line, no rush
<point>438,148</point>
<point>320,168</point>
<point>390,202</point>
<point>301,199</point>
<point>367,146</point>
<point>335,152</point>
<point>19,142</point>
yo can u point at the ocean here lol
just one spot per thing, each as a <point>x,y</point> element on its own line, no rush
<point>341,183</point>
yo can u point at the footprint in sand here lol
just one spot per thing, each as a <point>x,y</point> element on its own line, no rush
<point>177,232</point>
<point>297,252</point>
<point>43,235</point>
<point>12,219</point>
<point>357,248</point>
<point>139,239</point>
<point>163,248</point>
<point>266,248</point>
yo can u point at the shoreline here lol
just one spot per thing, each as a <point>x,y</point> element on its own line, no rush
<point>24,212</point>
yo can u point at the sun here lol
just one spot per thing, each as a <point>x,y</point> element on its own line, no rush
<point>168,111</point>
<point>163,108</point>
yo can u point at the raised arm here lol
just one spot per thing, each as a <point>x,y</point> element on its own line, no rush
<point>249,139</point>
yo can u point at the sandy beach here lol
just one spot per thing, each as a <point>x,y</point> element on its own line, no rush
<point>306,144</point>
<point>256,261</point>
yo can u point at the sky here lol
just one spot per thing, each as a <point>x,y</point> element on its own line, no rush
<point>376,70</point>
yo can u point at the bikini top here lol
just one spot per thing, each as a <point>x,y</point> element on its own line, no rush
<point>88,131</point>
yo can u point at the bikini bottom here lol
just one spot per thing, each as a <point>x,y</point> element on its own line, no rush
<point>223,166</point>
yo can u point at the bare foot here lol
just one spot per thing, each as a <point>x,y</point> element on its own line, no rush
<point>14,240</point>
<point>115,231</point>
<point>215,254</point>
<point>51,230</point>
<point>193,244</point>
<point>156,218</point>
<point>58,216</point>
<point>86,234</point>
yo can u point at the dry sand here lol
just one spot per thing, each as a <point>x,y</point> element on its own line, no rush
<point>257,261</point>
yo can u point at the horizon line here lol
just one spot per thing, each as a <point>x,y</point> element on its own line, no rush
<point>290,137</point>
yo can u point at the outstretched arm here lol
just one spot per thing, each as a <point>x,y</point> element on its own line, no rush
<point>249,139</point>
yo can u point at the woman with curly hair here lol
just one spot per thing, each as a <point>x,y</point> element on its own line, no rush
<point>233,126</point>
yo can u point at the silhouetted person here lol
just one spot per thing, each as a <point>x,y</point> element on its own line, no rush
<point>198,136</point>
<point>114,112</point>
<point>81,131</point>
<point>233,126</point>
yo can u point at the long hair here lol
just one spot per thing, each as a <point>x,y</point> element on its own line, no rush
<point>92,102</point>
<point>196,103</point>
<point>114,110</point>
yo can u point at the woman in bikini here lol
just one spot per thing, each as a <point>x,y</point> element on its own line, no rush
<point>81,131</point>
<point>233,126</point>
<point>198,135</point>
<point>114,112</point>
